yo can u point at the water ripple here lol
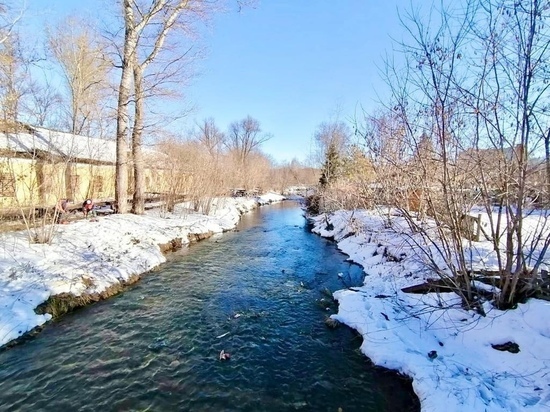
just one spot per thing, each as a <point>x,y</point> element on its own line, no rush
<point>156,347</point>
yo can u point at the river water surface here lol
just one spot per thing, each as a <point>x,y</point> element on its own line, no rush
<point>254,293</point>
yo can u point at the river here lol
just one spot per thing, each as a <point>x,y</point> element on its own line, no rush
<point>256,293</point>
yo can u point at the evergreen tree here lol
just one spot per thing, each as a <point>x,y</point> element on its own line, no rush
<point>331,167</point>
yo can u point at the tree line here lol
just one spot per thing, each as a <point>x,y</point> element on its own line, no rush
<point>464,129</point>
<point>119,76</point>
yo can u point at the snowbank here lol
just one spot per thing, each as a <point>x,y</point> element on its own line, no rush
<point>269,198</point>
<point>89,257</point>
<point>447,350</point>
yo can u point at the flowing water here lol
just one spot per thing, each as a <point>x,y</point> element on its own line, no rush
<point>255,293</point>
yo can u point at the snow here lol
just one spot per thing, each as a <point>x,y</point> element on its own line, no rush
<point>88,257</point>
<point>400,330</point>
<point>67,145</point>
<point>269,198</point>
<point>446,350</point>
<point>534,224</point>
<point>60,143</point>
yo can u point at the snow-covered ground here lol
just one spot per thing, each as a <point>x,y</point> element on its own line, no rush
<point>88,257</point>
<point>445,349</point>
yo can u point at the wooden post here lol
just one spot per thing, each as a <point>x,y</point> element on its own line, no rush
<point>478,229</point>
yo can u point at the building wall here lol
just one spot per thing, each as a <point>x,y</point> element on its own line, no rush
<point>91,181</point>
<point>34,182</point>
<point>18,182</point>
<point>50,178</point>
<point>41,183</point>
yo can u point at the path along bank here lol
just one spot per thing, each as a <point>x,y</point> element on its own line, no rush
<point>88,261</point>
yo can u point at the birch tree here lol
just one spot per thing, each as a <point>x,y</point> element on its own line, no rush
<point>9,18</point>
<point>151,31</point>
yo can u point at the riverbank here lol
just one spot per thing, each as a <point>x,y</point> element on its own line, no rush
<point>256,292</point>
<point>450,353</point>
<point>93,260</point>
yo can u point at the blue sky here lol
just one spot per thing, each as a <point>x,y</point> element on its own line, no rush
<point>291,64</point>
<point>294,64</point>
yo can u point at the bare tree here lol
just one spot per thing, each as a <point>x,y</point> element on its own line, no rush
<point>210,136</point>
<point>123,119</point>
<point>152,33</point>
<point>76,48</point>
<point>425,103</point>
<point>152,61</point>
<point>164,15</point>
<point>14,77</point>
<point>9,18</point>
<point>244,137</point>
<point>467,117</point>
<point>43,104</point>
<point>511,120</point>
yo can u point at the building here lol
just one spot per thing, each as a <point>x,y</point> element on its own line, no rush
<point>39,166</point>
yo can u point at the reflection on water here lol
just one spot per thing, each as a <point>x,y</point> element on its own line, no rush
<point>254,293</point>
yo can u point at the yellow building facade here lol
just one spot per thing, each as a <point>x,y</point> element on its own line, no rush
<point>39,168</point>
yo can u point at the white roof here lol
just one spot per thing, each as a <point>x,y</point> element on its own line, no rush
<point>60,144</point>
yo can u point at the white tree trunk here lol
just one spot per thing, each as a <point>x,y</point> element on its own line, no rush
<point>130,44</point>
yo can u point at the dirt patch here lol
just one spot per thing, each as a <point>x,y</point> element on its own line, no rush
<point>197,237</point>
<point>171,246</point>
<point>511,347</point>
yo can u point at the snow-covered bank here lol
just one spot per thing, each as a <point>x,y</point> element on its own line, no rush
<point>447,350</point>
<point>89,257</point>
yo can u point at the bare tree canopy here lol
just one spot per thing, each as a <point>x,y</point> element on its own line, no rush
<point>152,33</point>
<point>334,136</point>
<point>210,136</point>
<point>244,137</point>
<point>75,46</point>
<point>9,17</point>
<point>43,105</point>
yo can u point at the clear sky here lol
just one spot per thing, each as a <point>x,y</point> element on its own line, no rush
<point>291,64</point>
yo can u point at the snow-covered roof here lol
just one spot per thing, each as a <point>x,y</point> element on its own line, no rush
<point>60,144</point>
